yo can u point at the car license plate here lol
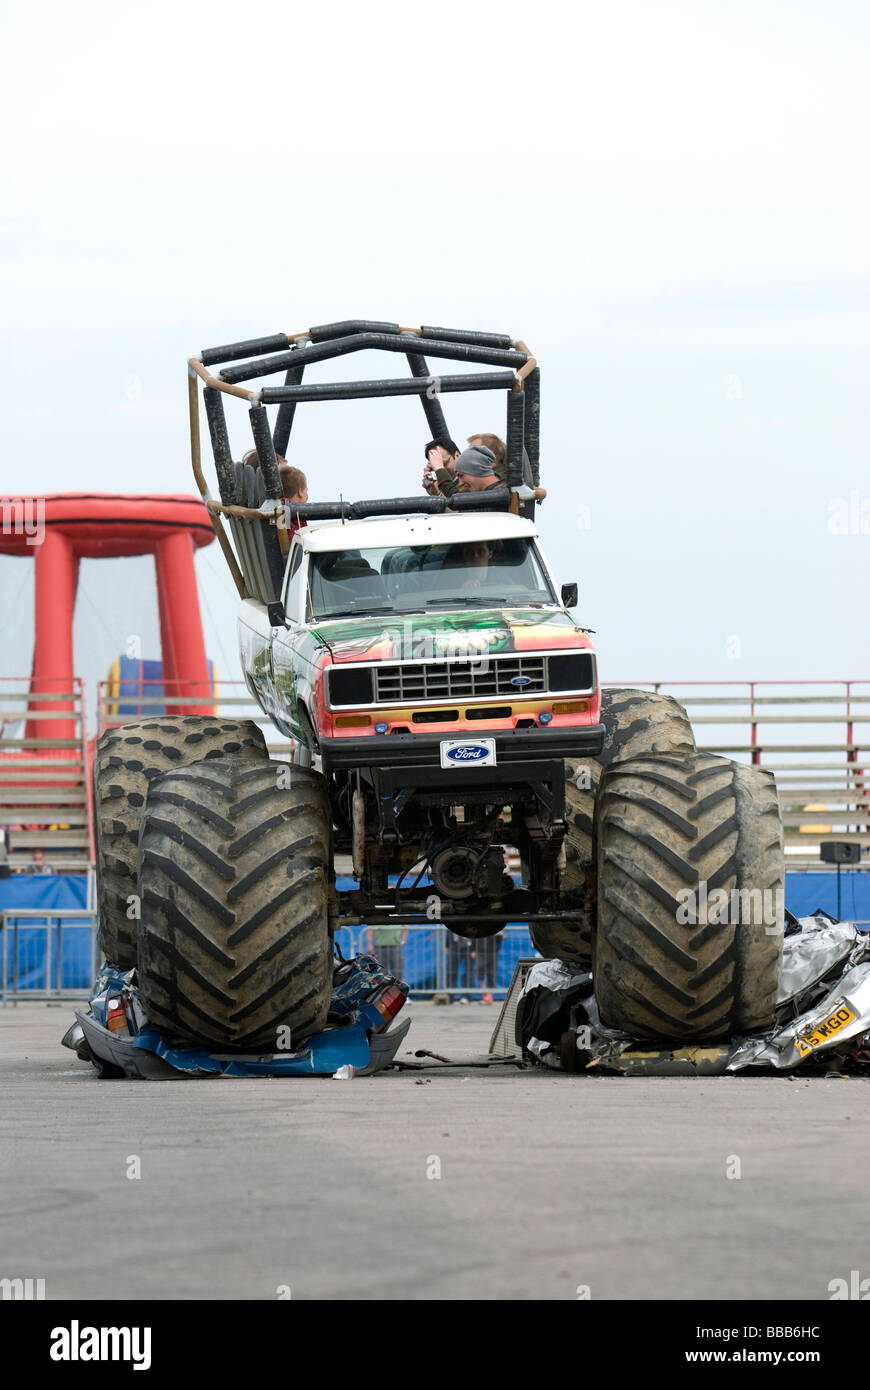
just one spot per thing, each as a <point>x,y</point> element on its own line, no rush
<point>468,752</point>
<point>829,1026</point>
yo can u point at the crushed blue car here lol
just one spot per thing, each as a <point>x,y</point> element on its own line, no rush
<point>114,1033</point>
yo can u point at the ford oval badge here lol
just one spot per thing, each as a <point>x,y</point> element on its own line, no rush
<point>467,753</point>
<point>478,752</point>
<point>521,680</point>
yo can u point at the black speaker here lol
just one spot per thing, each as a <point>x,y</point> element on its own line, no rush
<point>838,852</point>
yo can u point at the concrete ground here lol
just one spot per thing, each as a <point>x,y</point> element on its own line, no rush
<point>549,1185</point>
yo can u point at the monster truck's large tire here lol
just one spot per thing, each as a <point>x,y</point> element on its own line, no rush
<point>667,966</point>
<point>234,939</point>
<point>635,721</point>
<point>126,760</point>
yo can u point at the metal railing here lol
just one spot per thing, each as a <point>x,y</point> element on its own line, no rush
<point>24,957</point>
<point>37,956</point>
<point>45,791</point>
<point>814,737</point>
<point>142,699</point>
<point>435,961</point>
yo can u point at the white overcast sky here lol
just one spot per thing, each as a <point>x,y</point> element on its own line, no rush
<point>667,201</point>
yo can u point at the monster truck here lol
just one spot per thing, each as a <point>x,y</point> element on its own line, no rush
<point>443,704</point>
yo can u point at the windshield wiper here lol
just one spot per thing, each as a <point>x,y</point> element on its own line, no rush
<point>478,601</point>
<point>353,612</point>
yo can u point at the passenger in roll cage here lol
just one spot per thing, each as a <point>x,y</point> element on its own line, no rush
<point>441,456</point>
<point>293,481</point>
<point>496,447</point>
<point>295,485</point>
<point>474,469</point>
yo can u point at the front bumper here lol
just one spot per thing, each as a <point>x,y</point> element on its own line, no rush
<point>424,750</point>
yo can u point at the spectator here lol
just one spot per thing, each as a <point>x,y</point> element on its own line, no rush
<point>459,961</point>
<point>441,456</point>
<point>474,470</point>
<point>389,948</point>
<point>486,959</point>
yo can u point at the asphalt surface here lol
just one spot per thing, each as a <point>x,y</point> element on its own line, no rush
<point>548,1183</point>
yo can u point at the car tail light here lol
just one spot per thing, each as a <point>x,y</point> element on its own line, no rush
<point>390,1001</point>
<point>116,1014</point>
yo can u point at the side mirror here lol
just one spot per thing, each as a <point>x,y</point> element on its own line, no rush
<point>277,616</point>
<point>569,595</point>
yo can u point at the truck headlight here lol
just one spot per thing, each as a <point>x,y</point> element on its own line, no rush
<point>574,671</point>
<point>351,687</point>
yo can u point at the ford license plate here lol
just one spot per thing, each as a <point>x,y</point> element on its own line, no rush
<point>468,752</point>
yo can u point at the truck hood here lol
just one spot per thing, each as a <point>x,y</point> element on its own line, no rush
<point>422,636</point>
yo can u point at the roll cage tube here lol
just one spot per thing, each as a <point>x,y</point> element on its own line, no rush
<point>245,363</point>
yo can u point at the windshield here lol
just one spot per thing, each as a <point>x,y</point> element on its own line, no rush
<point>409,579</point>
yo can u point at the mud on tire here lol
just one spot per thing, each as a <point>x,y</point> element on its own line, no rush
<point>663,966</point>
<point>126,761</point>
<point>234,938</point>
<point>635,721</point>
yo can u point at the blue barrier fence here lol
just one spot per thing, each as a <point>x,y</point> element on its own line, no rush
<point>430,959</point>
<point>51,953</point>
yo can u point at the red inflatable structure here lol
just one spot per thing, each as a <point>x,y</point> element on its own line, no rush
<point>103,525</point>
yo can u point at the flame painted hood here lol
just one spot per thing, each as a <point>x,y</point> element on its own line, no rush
<point>422,636</point>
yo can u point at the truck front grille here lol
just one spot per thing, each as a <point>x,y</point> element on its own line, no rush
<point>460,680</point>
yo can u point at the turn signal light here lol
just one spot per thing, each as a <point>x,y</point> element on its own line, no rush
<point>352,721</point>
<point>570,706</point>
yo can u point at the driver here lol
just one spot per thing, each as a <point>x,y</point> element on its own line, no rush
<point>475,557</point>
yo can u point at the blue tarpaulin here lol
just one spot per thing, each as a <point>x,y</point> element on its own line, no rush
<point>132,678</point>
<point>807,891</point>
<point>25,946</point>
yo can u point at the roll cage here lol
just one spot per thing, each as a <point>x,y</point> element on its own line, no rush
<point>250,497</point>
